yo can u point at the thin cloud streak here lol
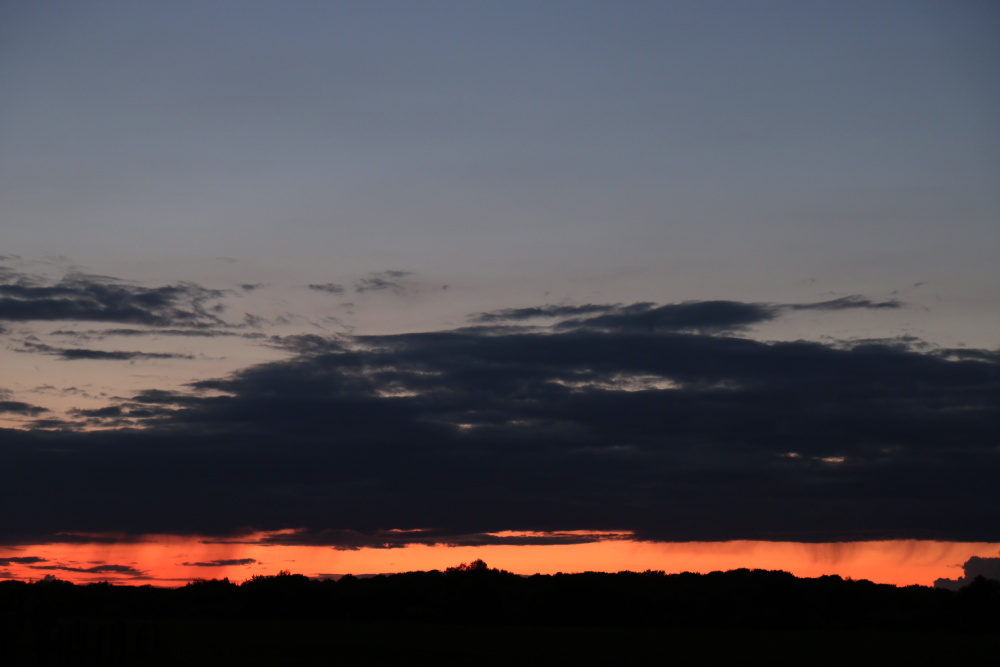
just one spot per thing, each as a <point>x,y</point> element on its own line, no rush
<point>226,562</point>
<point>82,297</point>
<point>76,354</point>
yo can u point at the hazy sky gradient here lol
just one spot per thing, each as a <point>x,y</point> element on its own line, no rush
<point>774,142</point>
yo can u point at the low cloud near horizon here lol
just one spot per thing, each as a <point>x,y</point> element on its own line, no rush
<point>977,566</point>
<point>659,422</point>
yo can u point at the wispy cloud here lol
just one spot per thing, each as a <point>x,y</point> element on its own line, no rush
<point>20,560</point>
<point>84,297</point>
<point>846,303</point>
<point>222,563</point>
<point>329,288</point>
<point>96,569</point>
<point>90,334</point>
<point>704,316</point>
<point>76,354</point>
<point>392,281</point>
<point>537,312</point>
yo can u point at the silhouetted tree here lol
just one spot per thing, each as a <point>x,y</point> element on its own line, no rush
<point>478,565</point>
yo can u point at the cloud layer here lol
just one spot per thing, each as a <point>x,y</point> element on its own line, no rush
<point>644,419</point>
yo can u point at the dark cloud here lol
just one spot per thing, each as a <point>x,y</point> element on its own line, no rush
<point>55,424</point>
<point>959,354</point>
<point>392,539</point>
<point>644,419</point>
<point>97,569</point>
<point>109,411</point>
<point>143,409</point>
<point>699,316</point>
<point>20,560</point>
<point>382,280</point>
<point>186,333</point>
<point>124,415</point>
<point>83,297</point>
<point>163,397</point>
<point>690,316</point>
<point>550,311</point>
<point>76,354</point>
<point>330,288</point>
<point>20,408</point>
<point>222,563</point>
<point>846,303</point>
<point>81,538</point>
<point>976,566</point>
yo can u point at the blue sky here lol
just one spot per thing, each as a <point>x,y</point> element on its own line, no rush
<point>725,147</point>
<point>202,198</point>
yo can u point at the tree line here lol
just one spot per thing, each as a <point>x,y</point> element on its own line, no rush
<point>477,594</point>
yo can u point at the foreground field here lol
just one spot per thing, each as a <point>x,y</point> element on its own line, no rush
<point>285,641</point>
<point>474,615</point>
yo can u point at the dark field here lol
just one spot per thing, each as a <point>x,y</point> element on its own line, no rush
<point>285,641</point>
<point>477,616</point>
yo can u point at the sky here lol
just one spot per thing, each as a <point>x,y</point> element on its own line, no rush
<point>368,287</point>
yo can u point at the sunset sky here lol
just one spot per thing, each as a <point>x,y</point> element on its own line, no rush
<point>563,285</point>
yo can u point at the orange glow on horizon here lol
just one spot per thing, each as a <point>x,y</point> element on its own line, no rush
<point>172,560</point>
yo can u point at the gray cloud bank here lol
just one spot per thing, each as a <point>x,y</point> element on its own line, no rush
<point>976,566</point>
<point>639,418</point>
